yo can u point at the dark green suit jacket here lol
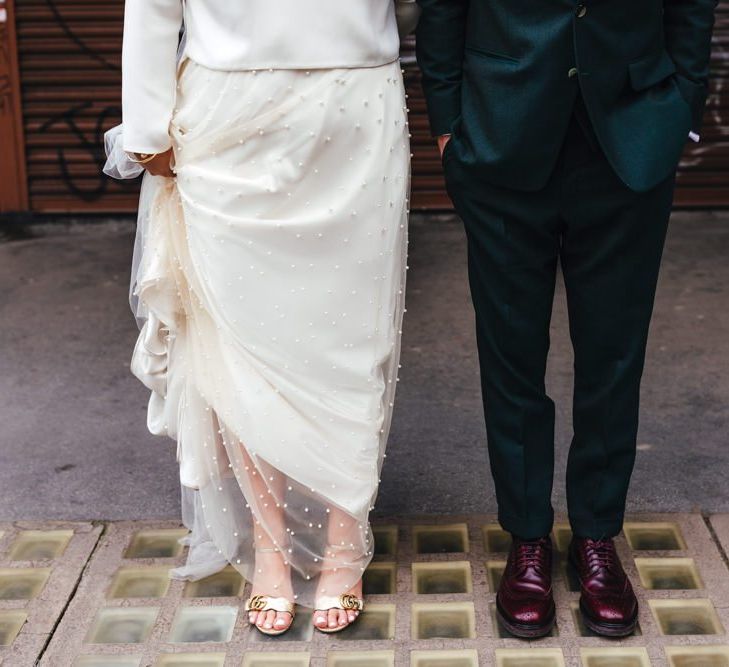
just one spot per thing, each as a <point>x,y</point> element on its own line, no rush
<point>502,76</point>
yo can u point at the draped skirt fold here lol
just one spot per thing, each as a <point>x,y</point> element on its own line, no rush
<point>268,282</point>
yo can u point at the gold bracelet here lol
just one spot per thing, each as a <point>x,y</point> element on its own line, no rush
<point>143,157</point>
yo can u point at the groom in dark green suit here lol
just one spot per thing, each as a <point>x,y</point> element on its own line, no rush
<point>561,125</point>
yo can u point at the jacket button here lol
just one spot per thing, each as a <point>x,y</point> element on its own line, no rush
<point>572,73</point>
<point>581,11</point>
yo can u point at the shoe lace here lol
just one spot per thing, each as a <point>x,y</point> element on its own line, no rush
<point>600,554</point>
<point>530,554</point>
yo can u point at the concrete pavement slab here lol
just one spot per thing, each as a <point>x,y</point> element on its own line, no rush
<point>429,592</point>
<point>720,525</point>
<point>40,567</point>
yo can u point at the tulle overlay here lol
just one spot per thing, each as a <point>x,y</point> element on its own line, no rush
<point>268,283</point>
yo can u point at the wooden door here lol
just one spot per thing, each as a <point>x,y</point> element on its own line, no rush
<point>13,190</point>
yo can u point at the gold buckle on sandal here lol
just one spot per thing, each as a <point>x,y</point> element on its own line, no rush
<point>349,601</point>
<point>257,603</point>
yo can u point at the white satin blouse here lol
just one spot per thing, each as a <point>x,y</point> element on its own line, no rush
<point>235,35</point>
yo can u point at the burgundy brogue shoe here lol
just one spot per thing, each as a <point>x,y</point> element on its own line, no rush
<point>524,602</point>
<point>607,601</point>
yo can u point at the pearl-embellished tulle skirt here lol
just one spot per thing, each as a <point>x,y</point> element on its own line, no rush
<point>268,283</point>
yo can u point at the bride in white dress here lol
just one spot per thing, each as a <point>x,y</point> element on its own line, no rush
<point>268,279</point>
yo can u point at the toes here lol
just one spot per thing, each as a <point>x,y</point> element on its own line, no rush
<point>334,618</point>
<point>320,619</point>
<point>270,617</point>
<point>252,616</point>
<point>282,620</point>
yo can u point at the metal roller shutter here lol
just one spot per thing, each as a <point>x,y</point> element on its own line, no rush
<point>70,64</point>
<point>70,76</point>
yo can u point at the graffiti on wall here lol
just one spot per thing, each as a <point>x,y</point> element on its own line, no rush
<point>78,41</point>
<point>91,143</point>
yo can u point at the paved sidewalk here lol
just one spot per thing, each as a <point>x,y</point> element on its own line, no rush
<point>98,595</point>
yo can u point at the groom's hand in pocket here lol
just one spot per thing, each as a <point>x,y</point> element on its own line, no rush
<point>443,140</point>
<point>161,164</point>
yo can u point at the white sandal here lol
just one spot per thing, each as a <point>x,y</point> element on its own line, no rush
<point>345,602</point>
<point>280,605</point>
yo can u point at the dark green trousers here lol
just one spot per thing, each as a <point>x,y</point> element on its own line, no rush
<point>608,240</point>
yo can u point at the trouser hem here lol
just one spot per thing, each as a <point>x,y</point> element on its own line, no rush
<point>529,528</point>
<point>596,529</point>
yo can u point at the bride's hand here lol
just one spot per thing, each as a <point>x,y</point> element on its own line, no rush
<point>160,164</point>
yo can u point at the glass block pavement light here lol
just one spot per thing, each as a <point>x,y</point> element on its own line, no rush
<point>430,595</point>
<point>40,566</point>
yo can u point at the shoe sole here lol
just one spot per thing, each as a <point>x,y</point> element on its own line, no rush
<point>270,633</point>
<point>523,630</point>
<point>609,629</point>
<point>331,631</point>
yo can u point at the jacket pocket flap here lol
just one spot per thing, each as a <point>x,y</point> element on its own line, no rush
<point>651,70</point>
